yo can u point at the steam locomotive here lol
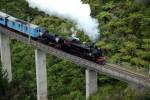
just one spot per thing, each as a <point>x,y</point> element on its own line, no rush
<point>69,45</point>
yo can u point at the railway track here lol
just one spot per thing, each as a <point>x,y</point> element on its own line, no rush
<point>126,71</point>
<point>122,70</point>
<point>109,69</point>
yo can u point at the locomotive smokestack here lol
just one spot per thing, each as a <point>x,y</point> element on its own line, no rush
<point>73,10</point>
<point>74,34</point>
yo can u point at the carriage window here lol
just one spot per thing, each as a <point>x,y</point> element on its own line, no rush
<point>38,30</point>
<point>13,23</point>
<point>26,28</point>
<point>19,25</point>
<point>1,19</point>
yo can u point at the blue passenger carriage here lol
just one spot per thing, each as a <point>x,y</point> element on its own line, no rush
<point>24,27</point>
<point>20,25</point>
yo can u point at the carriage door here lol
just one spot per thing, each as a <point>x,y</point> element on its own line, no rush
<point>6,20</point>
<point>22,27</point>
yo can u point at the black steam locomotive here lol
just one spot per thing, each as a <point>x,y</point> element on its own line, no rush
<point>74,47</point>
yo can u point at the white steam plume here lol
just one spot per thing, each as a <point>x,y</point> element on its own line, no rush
<point>73,10</point>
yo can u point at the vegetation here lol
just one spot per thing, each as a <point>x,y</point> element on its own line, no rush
<point>125,37</point>
<point>125,32</point>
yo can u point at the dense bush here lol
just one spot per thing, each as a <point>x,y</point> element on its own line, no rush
<point>125,37</point>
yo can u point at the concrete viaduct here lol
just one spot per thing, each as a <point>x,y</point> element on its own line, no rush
<point>92,68</point>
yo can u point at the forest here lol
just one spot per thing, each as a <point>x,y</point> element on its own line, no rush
<point>125,40</point>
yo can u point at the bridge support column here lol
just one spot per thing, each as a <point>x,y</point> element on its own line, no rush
<point>91,82</point>
<point>5,56</point>
<point>41,75</point>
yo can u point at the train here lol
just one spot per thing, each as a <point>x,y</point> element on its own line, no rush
<point>69,45</point>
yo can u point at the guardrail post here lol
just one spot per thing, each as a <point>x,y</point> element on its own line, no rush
<point>5,56</point>
<point>41,75</point>
<point>91,82</point>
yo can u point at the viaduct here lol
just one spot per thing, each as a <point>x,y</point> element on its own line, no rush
<point>92,69</point>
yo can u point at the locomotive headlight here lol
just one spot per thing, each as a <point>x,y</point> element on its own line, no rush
<point>57,39</point>
<point>41,33</point>
<point>90,54</point>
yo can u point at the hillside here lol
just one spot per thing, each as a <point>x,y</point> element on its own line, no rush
<point>125,39</point>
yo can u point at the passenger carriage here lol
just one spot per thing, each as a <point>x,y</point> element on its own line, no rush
<point>20,25</point>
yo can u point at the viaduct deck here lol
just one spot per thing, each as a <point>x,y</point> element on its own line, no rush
<point>111,70</point>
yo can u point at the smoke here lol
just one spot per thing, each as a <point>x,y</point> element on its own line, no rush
<point>73,10</point>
